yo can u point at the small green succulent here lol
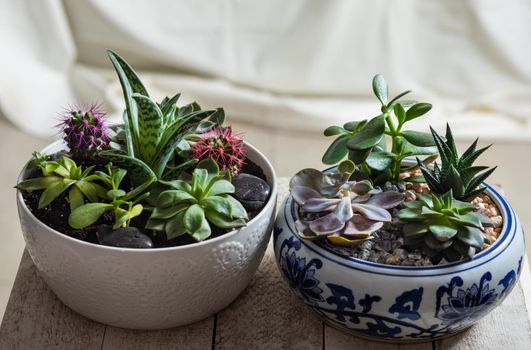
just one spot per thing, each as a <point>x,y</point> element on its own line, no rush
<point>456,173</point>
<point>345,212</point>
<point>365,144</point>
<point>443,226</point>
<point>61,175</point>
<point>190,207</point>
<point>124,205</point>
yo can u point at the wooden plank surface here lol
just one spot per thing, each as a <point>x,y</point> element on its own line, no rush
<point>265,316</point>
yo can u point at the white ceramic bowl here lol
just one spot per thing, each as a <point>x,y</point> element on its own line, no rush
<point>150,288</point>
<point>399,303</point>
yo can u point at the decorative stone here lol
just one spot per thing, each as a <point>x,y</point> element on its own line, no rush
<point>251,191</point>
<point>496,221</point>
<point>125,237</point>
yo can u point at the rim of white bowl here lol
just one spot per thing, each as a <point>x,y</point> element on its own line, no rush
<point>507,234</point>
<point>270,202</point>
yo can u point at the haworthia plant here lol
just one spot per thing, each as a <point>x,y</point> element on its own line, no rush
<point>154,131</point>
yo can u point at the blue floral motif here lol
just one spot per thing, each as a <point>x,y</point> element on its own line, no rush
<point>407,304</point>
<point>465,305</point>
<point>300,275</point>
<point>277,231</point>
<point>456,306</point>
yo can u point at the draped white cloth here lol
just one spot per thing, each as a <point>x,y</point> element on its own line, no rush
<point>298,64</point>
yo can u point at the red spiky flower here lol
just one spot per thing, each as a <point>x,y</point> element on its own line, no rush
<point>223,146</point>
<point>84,130</point>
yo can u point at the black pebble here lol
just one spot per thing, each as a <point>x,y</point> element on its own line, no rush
<point>125,237</point>
<point>251,191</point>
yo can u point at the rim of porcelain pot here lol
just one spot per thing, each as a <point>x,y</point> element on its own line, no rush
<point>507,235</point>
<point>270,202</point>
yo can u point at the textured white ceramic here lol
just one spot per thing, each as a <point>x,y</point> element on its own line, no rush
<point>150,288</point>
<point>399,303</point>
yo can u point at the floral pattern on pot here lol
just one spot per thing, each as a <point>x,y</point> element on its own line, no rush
<point>456,305</point>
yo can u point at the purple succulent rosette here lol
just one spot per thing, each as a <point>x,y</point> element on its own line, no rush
<point>345,212</point>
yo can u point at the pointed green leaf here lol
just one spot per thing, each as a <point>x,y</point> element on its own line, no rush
<point>417,110</point>
<point>88,214</point>
<point>149,126</point>
<point>75,197</point>
<point>38,183</point>
<point>196,224</point>
<point>53,191</point>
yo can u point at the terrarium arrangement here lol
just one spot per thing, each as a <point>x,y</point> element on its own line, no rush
<point>168,176</point>
<point>153,223</point>
<point>399,208</point>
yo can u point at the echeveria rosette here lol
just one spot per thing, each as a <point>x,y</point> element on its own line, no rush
<point>456,173</point>
<point>190,207</point>
<point>443,226</point>
<point>62,175</point>
<point>347,217</point>
<point>364,142</point>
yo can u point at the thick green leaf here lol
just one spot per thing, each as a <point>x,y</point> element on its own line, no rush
<point>175,172</point>
<point>120,217</point>
<point>471,236</point>
<point>355,125</point>
<point>371,134</point>
<point>400,113</point>
<point>219,204</point>
<point>88,190</point>
<point>53,191</point>
<point>149,127</point>
<point>417,110</point>
<point>88,214</point>
<point>175,226</point>
<point>379,86</point>
<point>166,213</point>
<point>75,197</point>
<point>223,221</point>
<point>414,230</point>
<point>337,150</point>
<point>334,130</point>
<point>360,156</point>
<point>237,211</point>
<point>220,187</point>
<point>417,138</point>
<point>443,233</point>
<point>38,183</point>
<point>380,160</point>
<point>196,223</point>
<point>173,197</point>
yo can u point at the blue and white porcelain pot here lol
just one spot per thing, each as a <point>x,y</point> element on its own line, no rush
<point>399,303</point>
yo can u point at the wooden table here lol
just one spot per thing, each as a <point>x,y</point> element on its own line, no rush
<point>265,316</point>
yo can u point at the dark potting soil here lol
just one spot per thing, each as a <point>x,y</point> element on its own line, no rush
<point>56,214</point>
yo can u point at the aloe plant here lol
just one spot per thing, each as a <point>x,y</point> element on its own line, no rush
<point>443,226</point>
<point>61,175</point>
<point>153,131</point>
<point>456,173</point>
<point>364,142</point>
<point>191,207</point>
<point>345,212</point>
<point>124,205</point>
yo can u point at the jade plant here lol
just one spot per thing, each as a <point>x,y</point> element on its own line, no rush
<point>124,206</point>
<point>191,207</point>
<point>456,173</point>
<point>62,175</point>
<point>443,226</point>
<point>342,211</point>
<point>364,141</point>
<point>84,130</point>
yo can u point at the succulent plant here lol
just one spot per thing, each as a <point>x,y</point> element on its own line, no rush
<point>153,131</point>
<point>364,141</point>
<point>456,173</point>
<point>345,212</point>
<point>84,130</point>
<point>124,205</point>
<point>61,175</point>
<point>191,207</point>
<point>443,226</point>
<point>223,146</point>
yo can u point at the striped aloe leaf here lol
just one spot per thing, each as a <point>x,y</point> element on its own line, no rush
<point>149,126</point>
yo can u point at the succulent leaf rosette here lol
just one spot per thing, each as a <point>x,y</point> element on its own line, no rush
<point>442,225</point>
<point>346,212</point>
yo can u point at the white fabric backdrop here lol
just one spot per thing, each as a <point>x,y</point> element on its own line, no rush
<point>300,64</point>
